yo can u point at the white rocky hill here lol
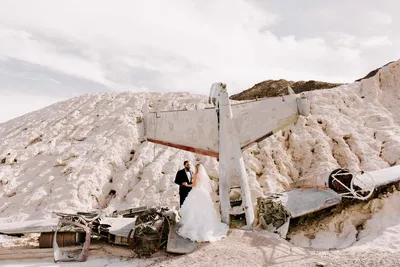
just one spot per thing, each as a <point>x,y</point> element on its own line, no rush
<point>88,152</point>
<point>71,155</point>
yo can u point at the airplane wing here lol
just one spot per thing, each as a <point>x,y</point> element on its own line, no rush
<point>190,130</point>
<point>259,119</point>
<point>198,130</point>
<point>278,209</point>
<point>34,226</point>
<point>119,226</point>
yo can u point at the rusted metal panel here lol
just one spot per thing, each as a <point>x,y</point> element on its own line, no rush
<point>194,130</point>
<point>64,239</point>
<point>257,120</point>
<point>186,148</point>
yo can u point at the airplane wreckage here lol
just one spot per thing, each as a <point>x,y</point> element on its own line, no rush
<point>221,131</point>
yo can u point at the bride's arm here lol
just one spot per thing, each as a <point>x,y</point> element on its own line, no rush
<point>193,182</point>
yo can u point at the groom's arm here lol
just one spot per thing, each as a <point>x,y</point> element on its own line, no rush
<point>193,184</point>
<point>178,178</point>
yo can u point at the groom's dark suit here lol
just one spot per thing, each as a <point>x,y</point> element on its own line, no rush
<point>180,178</point>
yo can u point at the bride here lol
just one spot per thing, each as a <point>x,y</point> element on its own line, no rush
<point>199,221</point>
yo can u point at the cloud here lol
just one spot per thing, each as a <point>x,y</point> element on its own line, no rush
<point>376,41</point>
<point>22,45</point>
<point>351,41</point>
<point>380,18</point>
<point>35,79</point>
<point>181,45</point>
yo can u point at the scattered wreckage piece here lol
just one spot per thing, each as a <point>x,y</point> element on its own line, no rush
<point>155,228</point>
<point>74,223</point>
<point>149,234</point>
<point>144,229</point>
<point>177,244</point>
<point>276,210</point>
<point>130,213</point>
<point>34,226</point>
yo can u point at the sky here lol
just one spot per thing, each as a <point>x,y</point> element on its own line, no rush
<point>54,50</point>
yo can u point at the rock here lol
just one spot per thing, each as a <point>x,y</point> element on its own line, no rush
<point>372,73</point>
<point>273,88</point>
<point>235,194</point>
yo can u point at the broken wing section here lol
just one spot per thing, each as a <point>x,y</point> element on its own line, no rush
<point>276,210</point>
<point>257,120</point>
<point>191,130</point>
<point>36,226</point>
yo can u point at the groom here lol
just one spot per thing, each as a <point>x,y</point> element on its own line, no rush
<point>183,178</point>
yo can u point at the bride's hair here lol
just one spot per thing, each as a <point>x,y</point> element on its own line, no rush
<point>197,167</point>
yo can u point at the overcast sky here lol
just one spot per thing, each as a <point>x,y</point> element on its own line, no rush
<point>51,50</point>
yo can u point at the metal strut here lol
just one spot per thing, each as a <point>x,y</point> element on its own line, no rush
<point>342,181</point>
<point>74,223</point>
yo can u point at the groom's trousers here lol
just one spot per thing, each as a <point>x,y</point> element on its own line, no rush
<point>183,193</point>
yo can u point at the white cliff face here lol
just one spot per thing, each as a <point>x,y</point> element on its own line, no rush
<point>73,155</point>
<point>365,137</point>
<point>355,126</point>
<point>88,152</point>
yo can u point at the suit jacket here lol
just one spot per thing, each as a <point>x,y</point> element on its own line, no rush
<point>180,178</point>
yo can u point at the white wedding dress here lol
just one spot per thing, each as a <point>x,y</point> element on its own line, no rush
<point>199,221</point>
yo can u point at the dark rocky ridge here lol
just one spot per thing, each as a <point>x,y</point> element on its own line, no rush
<point>273,88</point>
<point>373,73</point>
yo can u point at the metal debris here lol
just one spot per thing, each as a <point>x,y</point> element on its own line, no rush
<point>272,214</point>
<point>150,232</point>
<point>74,223</point>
